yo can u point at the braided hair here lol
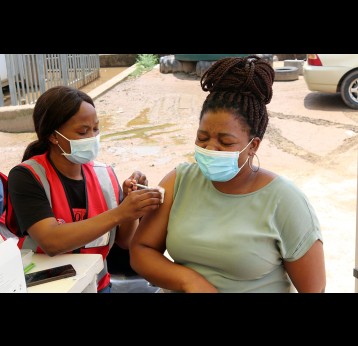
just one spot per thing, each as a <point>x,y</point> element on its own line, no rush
<point>243,86</point>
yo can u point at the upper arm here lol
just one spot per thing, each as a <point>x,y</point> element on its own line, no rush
<point>152,229</point>
<point>308,273</point>
<point>43,233</point>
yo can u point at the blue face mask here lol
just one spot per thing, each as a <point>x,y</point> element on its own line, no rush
<point>219,165</point>
<point>82,150</point>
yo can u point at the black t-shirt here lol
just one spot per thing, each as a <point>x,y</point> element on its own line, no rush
<point>29,199</point>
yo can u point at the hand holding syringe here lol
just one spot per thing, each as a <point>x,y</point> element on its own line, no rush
<point>161,189</point>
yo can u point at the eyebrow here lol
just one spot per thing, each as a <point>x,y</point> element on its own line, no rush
<point>80,127</point>
<point>220,134</point>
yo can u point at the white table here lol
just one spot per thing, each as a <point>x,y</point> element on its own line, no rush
<point>87,267</point>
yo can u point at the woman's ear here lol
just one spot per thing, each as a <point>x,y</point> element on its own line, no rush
<point>255,144</point>
<point>53,138</point>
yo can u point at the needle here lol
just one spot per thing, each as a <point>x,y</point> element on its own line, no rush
<point>142,186</point>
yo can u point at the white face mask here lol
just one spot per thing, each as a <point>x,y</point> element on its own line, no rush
<point>82,150</point>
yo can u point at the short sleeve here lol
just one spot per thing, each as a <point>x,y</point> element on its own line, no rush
<point>297,223</point>
<point>28,198</point>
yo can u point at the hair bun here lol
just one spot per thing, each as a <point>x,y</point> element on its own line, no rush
<point>250,76</point>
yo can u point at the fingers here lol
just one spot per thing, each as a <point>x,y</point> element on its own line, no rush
<point>149,195</point>
<point>140,202</point>
<point>146,199</point>
<point>129,185</point>
<point>139,177</point>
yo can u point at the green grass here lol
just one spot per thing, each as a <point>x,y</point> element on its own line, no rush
<point>145,62</point>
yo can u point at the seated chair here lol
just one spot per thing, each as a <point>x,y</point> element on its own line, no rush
<point>123,278</point>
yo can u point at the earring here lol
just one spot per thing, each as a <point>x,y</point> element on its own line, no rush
<point>250,163</point>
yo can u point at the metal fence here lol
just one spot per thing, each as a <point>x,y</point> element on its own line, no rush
<point>29,75</point>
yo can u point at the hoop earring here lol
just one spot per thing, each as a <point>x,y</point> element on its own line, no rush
<point>250,163</point>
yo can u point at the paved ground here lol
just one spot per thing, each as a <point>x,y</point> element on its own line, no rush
<point>149,123</point>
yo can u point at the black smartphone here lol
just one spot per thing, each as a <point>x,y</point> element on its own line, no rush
<point>50,274</point>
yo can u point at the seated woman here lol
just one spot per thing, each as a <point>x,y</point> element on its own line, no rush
<point>229,225</point>
<point>63,199</point>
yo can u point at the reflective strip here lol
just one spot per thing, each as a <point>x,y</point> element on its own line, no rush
<point>106,184</point>
<point>40,171</point>
<point>103,272</point>
<point>29,243</point>
<point>108,192</point>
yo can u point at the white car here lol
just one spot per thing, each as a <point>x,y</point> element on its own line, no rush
<point>333,73</point>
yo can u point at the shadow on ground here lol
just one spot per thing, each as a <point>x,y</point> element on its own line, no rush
<point>326,102</point>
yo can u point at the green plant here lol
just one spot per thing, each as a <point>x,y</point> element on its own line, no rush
<point>145,62</point>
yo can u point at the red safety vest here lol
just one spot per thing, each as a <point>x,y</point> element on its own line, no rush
<point>102,194</point>
<point>3,179</point>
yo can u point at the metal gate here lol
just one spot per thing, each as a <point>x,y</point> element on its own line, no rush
<point>29,75</point>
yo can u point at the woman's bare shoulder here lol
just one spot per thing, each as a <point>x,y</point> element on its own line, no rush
<point>169,178</point>
<point>264,177</point>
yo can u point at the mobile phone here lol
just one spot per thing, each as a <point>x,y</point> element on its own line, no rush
<point>51,274</point>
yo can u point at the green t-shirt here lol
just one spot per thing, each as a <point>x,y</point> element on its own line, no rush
<point>237,242</point>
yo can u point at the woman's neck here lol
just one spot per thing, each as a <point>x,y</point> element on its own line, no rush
<point>243,183</point>
<point>246,182</point>
<point>65,167</point>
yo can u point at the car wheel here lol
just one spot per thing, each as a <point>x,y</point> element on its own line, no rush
<point>349,90</point>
